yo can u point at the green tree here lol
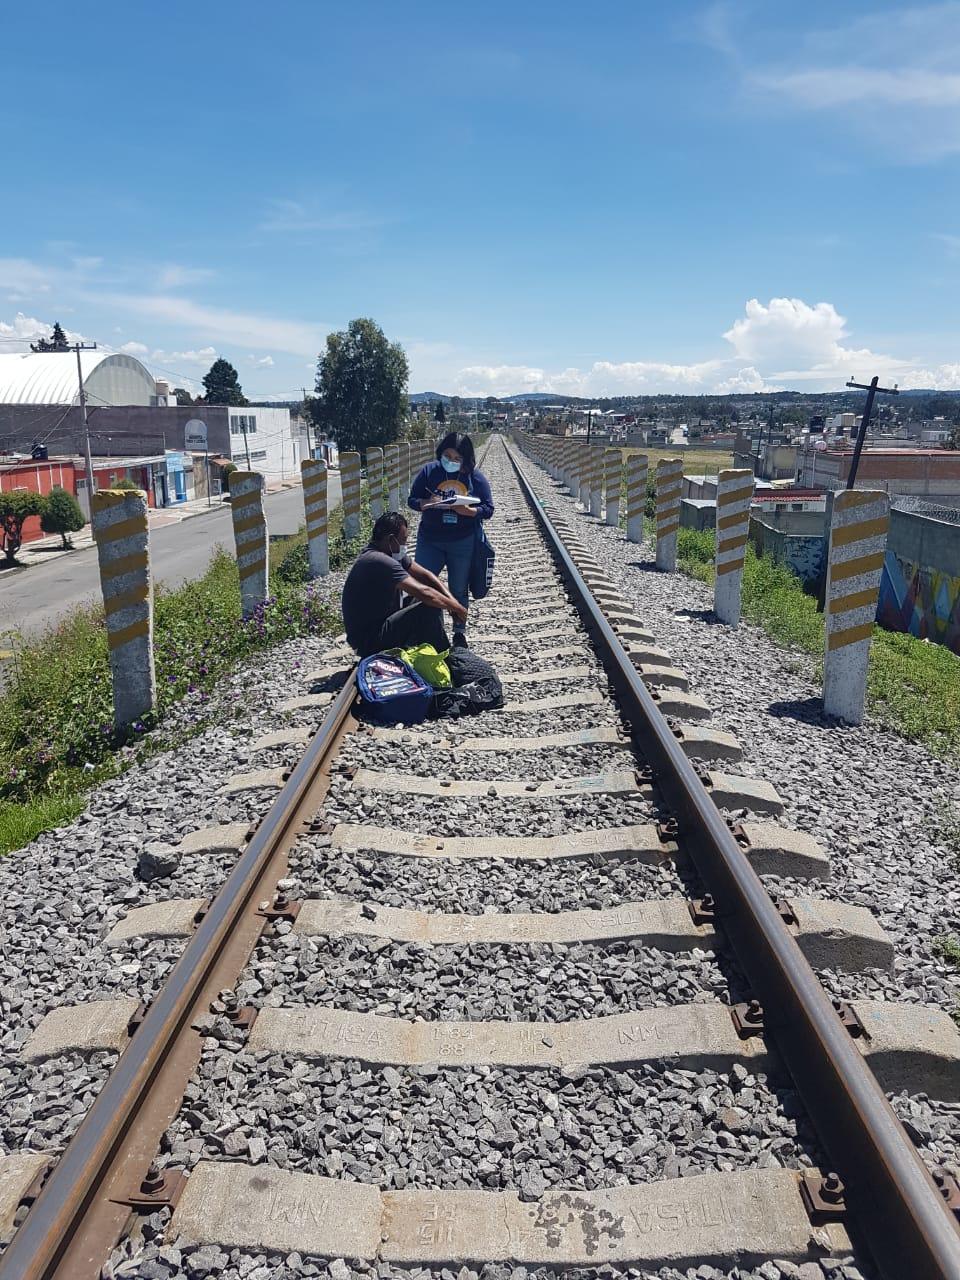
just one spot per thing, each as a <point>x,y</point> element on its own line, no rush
<point>222,384</point>
<point>183,396</point>
<point>56,342</point>
<point>439,414</point>
<point>361,386</point>
<point>15,508</point>
<point>61,514</point>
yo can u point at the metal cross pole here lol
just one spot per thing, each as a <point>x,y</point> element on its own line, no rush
<point>871,389</point>
<point>78,347</point>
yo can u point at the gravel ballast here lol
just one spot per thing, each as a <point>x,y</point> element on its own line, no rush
<point>467,1127</point>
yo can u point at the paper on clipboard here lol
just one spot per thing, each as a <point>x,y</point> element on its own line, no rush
<point>458,500</point>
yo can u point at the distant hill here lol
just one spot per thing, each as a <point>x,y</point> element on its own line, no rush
<point>431,397</point>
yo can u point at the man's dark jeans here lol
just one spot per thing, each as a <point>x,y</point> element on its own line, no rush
<point>415,623</point>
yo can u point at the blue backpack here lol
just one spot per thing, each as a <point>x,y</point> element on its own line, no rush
<point>391,691</point>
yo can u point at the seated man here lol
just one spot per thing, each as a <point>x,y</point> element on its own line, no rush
<point>372,612</point>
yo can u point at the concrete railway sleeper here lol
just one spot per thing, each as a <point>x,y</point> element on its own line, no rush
<point>501,994</point>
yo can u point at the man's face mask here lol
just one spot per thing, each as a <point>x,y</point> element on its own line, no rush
<point>449,465</point>
<point>400,552</point>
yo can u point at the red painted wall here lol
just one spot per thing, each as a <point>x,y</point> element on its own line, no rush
<point>40,477</point>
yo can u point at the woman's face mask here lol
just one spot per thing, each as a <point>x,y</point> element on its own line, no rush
<point>450,465</point>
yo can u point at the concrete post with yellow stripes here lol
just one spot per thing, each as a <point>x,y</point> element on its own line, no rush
<point>404,469</point>
<point>573,468</point>
<point>250,538</point>
<point>734,492</point>
<point>596,480</point>
<point>583,488</point>
<point>669,484</point>
<point>859,521</point>
<point>612,473</point>
<point>119,520</point>
<point>563,461</point>
<point>314,473</point>
<point>392,455</point>
<point>551,458</point>
<point>375,481</point>
<point>636,495</point>
<point>350,493</point>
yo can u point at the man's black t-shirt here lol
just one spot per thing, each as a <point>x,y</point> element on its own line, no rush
<point>370,594</point>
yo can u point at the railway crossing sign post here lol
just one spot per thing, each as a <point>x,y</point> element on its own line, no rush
<point>871,389</point>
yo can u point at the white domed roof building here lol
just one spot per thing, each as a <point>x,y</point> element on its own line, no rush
<point>50,378</point>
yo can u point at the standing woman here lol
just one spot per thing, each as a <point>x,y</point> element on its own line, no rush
<point>448,530</point>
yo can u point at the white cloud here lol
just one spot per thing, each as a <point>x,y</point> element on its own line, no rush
<point>603,378</point>
<point>785,342</point>
<point>23,276</point>
<point>825,88</point>
<point>890,76</point>
<point>260,362</point>
<point>134,348</point>
<point>23,330</point>
<point>292,216</point>
<point>219,324</point>
<point>744,382</point>
<point>950,243</point>
<point>205,356</point>
<point>174,276</point>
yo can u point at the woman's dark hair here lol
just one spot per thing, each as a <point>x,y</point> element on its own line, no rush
<point>463,445</point>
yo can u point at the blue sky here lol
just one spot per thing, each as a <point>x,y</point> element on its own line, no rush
<point>589,199</point>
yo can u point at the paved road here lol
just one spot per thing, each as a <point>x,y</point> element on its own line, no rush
<point>35,597</point>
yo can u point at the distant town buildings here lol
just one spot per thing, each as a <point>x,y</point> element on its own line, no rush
<point>137,430</point>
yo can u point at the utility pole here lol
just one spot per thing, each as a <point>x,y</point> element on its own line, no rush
<point>756,461</point>
<point>78,347</point>
<point>306,418</point>
<point>871,389</point>
<point>246,442</point>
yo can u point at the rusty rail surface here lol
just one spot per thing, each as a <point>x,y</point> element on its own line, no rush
<point>899,1216</point>
<point>83,1208</point>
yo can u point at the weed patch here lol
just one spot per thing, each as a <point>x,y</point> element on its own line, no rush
<point>912,686</point>
<point>56,715</point>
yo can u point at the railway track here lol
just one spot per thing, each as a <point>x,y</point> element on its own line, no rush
<point>507,994</point>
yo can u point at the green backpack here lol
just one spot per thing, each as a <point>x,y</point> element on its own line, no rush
<point>429,664</point>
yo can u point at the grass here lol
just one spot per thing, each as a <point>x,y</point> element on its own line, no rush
<point>696,461</point>
<point>22,822</point>
<point>947,947</point>
<point>947,831</point>
<point>913,686</point>
<point>57,737</point>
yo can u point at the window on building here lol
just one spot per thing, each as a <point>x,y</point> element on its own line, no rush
<point>258,455</point>
<point>242,423</point>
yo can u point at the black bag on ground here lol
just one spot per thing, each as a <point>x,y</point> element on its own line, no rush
<point>476,686</point>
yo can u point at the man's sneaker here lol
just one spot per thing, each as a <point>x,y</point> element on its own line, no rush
<point>459,640</point>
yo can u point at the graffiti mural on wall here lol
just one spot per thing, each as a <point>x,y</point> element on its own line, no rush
<point>924,602</point>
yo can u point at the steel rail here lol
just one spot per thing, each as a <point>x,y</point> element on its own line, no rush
<point>73,1225</point>
<point>899,1215</point>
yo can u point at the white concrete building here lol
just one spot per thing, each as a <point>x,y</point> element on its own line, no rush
<point>276,445</point>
